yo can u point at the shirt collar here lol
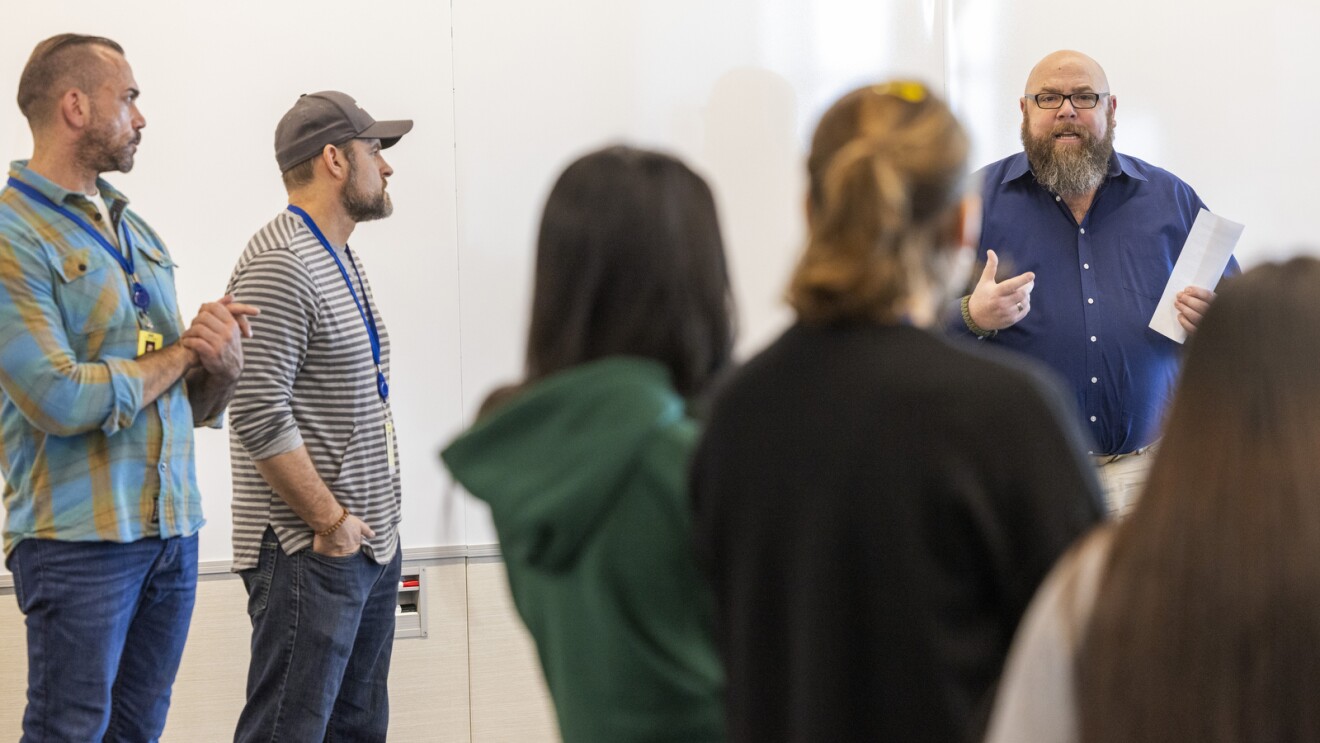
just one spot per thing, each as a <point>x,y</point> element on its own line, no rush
<point>1018,166</point>
<point>19,169</point>
<point>1120,163</point>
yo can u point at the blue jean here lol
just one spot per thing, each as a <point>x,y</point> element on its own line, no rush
<point>106,623</point>
<point>322,636</point>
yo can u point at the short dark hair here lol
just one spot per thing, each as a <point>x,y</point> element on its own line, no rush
<point>630,261</point>
<point>66,59</point>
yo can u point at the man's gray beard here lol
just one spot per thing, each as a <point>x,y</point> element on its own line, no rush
<point>1070,171</point>
<point>359,205</point>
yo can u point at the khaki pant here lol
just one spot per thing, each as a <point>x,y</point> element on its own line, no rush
<point>1123,476</point>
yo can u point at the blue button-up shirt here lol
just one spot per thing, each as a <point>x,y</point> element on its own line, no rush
<point>1097,285</point>
<point>83,459</point>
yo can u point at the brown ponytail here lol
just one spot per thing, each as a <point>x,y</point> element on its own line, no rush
<point>887,167</point>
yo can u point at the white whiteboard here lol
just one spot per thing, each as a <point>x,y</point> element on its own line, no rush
<point>505,93</point>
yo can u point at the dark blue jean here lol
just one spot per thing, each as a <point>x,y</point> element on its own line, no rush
<point>106,623</point>
<point>322,635</point>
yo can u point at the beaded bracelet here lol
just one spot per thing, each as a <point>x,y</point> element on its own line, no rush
<point>331,530</point>
<point>977,330</point>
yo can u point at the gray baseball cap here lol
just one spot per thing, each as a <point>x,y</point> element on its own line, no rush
<point>329,117</point>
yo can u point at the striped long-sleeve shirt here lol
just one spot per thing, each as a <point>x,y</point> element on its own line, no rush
<point>308,379</point>
<point>83,458</point>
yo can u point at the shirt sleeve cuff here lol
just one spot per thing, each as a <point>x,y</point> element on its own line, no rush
<point>126,390</point>
<point>282,443</point>
<point>216,421</point>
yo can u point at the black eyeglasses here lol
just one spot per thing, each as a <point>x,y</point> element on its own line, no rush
<point>1050,101</point>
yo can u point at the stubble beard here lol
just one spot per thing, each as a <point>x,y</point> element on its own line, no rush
<point>360,205</point>
<point>98,151</point>
<point>1070,171</point>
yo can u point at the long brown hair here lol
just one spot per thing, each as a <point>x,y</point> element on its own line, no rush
<point>1207,624</point>
<point>887,169</point>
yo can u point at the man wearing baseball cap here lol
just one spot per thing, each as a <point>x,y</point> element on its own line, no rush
<point>315,465</point>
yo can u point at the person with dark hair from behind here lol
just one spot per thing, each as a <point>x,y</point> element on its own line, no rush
<point>102,385</point>
<point>1196,617</point>
<point>584,463</point>
<point>870,547</point>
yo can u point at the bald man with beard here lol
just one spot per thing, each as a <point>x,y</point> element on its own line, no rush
<point>1095,234</point>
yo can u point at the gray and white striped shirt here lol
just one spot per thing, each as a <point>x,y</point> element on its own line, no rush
<point>308,378</point>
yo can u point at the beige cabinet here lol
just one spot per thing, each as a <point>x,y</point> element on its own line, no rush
<point>473,677</point>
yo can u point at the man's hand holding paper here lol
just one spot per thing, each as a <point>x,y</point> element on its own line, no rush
<point>1189,291</point>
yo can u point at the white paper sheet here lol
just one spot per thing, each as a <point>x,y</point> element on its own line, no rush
<point>1202,261</point>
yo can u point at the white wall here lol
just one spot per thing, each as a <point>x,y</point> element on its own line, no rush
<point>215,79</point>
<point>1217,92</point>
<point>505,93</point>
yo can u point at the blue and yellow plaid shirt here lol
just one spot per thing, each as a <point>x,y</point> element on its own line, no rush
<point>82,459</point>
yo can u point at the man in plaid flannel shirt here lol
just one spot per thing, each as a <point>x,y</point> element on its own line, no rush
<point>101,385</point>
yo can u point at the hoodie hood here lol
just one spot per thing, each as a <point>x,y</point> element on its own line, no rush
<point>553,460</point>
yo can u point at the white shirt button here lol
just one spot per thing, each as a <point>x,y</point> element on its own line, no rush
<point>1090,300</point>
<point>1093,339</point>
<point>1094,380</point>
<point>1093,419</point>
<point>1058,198</point>
<point>1083,230</point>
<point>1087,266</point>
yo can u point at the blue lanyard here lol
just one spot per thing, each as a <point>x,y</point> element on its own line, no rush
<point>141,299</point>
<point>368,319</point>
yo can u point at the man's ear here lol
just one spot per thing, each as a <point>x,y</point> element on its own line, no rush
<point>74,108</point>
<point>335,160</point>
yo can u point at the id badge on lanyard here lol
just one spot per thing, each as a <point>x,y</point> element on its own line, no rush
<point>148,340</point>
<point>369,320</point>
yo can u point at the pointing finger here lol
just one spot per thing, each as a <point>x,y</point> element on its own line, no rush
<point>238,308</point>
<point>1017,282</point>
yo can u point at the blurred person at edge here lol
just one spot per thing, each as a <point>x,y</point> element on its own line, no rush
<point>1195,618</point>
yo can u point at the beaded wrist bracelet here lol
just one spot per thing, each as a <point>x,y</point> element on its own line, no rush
<point>331,530</point>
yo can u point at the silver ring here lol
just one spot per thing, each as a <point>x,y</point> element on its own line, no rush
<point>1019,306</point>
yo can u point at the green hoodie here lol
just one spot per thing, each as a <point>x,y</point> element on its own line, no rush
<point>585,474</point>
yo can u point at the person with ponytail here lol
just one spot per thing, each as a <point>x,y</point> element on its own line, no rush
<point>875,504</point>
<point>1197,618</point>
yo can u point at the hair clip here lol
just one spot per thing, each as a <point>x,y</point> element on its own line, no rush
<point>912,92</point>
